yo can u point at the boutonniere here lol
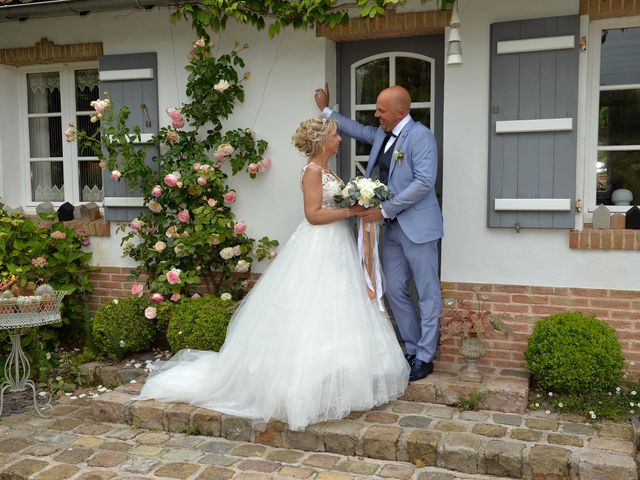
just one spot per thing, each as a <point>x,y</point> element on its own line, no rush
<point>398,156</point>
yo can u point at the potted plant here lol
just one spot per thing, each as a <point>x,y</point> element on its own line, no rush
<point>472,321</point>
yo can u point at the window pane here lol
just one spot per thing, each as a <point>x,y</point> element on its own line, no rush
<point>43,92</point>
<point>47,182</point>
<point>45,137</point>
<point>618,122</point>
<point>90,181</point>
<point>367,118</point>
<point>414,75</point>
<point>370,79</point>
<point>618,170</point>
<point>86,88</point>
<point>620,62</point>
<point>83,122</point>
<point>422,115</point>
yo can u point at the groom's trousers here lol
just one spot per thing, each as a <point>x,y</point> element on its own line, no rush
<point>403,260</point>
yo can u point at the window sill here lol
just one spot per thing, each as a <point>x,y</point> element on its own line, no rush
<point>604,239</point>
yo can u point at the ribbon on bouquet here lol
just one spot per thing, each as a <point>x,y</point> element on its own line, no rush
<point>368,234</point>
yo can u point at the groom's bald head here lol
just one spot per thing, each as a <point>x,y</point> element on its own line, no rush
<point>392,105</point>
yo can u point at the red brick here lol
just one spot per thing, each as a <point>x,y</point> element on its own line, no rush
<point>511,288</point>
<point>547,310</point>
<point>531,299</point>
<point>549,290</point>
<point>589,292</point>
<point>630,294</point>
<point>574,239</point>
<point>605,303</point>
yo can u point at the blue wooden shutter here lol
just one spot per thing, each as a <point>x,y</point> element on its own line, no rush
<point>130,80</point>
<point>533,117</point>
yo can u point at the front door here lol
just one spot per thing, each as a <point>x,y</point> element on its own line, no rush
<point>366,67</point>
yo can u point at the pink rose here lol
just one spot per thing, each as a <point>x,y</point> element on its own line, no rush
<point>273,254</point>
<point>225,149</point>
<point>155,207</point>
<point>267,163</point>
<point>196,166</point>
<point>177,121</point>
<point>70,134</point>
<point>135,224</point>
<point>159,246</point>
<point>230,197</point>
<point>176,297</point>
<point>212,202</point>
<point>172,137</point>
<point>170,180</point>
<point>156,191</point>
<point>150,313</point>
<point>195,296</point>
<point>58,235</point>
<point>218,156</point>
<point>86,242</point>
<point>202,181</point>
<point>173,276</point>
<point>215,239</point>
<point>252,168</point>
<point>115,175</point>
<point>240,228</point>
<point>157,297</point>
<point>200,42</point>
<point>183,216</point>
<point>137,289</point>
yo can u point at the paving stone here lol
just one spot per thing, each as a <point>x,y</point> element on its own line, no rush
<point>422,447</point>
<point>153,438</point>
<point>206,422</point>
<point>441,412</point>
<point>399,406</point>
<point>23,469</point>
<point>182,455</point>
<point>124,434</point>
<point>106,458</point>
<point>148,414</point>
<point>217,459</point>
<point>460,452</point>
<point>308,440</point>
<point>59,472</point>
<point>12,445</point>
<point>178,417</point>
<point>235,428</point>
<point>54,437</point>
<point>401,472</point>
<point>182,441</point>
<point>563,439</point>
<point>272,435</point>
<point>248,450</point>
<point>436,476</point>
<point>73,455</point>
<point>541,424</point>
<point>342,437</point>
<point>116,446</point>
<point>446,426</point>
<point>141,465</point>
<point>507,419</point>
<point>333,476</point>
<point>526,435</point>
<point>549,463</point>
<point>41,450</point>
<point>414,421</point>
<point>147,450</point>
<point>216,473</point>
<point>65,424</point>
<point>354,466</point>
<point>252,476</point>
<point>264,466</point>
<point>89,442</point>
<point>97,475</point>
<point>320,460</point>
<point>216,446</point>
<point>489,430</point>
<point>597,466</point>
<point>473,416</point>
<point>613,445</point>
<point>295,472</point>
<point>354,415</point>
<point>177,470</point>
<point>93,429</point>
<point>578,428</point>
<point>113,407</point>
<point>380,417</point>
<point>285,456</point>
<point>503,458</point>
<point>616,431</point>
<point>381,442</point>
<point>83,413</point>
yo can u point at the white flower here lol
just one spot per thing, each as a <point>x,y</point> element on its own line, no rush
<point>537,404</point>
<point>551,394</point>
<point>242,266</point>
<point>548,412</point>
<point>226,253</point>
<point>150,313</point>
<point>225,296</point>
<point>115,301</point>
<point>237,251</point>
<point>633,392</point>
<point>221,86</point>
<point>122,343</point>
<point>561,405</point>
<point>366,195</point>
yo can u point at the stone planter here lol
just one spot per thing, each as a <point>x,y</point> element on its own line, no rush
<point>471,349</point>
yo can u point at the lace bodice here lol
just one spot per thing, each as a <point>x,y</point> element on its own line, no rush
<point>331,185</point>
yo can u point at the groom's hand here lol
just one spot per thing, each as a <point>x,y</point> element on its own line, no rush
<point>372,215</point>
<point>321,96</point>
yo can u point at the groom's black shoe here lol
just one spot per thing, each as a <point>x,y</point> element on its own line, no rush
<point>420,369</point>
<point>410,358</point>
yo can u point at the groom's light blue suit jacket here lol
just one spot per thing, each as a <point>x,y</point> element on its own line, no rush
<point>412,179</point>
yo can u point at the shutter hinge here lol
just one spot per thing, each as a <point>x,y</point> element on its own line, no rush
<point>583,44</point>
<point>579,205</point>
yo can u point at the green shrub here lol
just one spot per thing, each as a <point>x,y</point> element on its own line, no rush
<point>572,353</point>
<point>200,324</point>
<point>120,328</point>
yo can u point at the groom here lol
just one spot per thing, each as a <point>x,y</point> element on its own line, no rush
<point>406,156</point>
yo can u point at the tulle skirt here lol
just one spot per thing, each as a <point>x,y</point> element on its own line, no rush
<point>306,345</point>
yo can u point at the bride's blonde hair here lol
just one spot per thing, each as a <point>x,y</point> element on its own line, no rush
<point>311,134</point>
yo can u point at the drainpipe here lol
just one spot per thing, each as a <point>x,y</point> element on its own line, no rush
<point>60,8</point>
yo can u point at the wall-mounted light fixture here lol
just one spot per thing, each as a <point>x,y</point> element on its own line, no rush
<point>454,50</point>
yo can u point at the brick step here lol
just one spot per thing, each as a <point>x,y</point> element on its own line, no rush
<point>536,445</point>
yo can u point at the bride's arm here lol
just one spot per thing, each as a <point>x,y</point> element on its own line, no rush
<point>312,191</point>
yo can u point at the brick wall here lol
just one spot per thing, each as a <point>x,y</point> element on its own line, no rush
<point>599,9</point>
<point>527,304</point>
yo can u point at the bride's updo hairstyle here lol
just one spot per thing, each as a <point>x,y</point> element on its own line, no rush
<point>311,134</point>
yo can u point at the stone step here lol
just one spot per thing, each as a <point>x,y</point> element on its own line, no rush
<point>528,446</point>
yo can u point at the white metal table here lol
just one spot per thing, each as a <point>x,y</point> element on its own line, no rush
<point>16,315</point>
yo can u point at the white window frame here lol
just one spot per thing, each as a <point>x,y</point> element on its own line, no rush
<point>68,112</point>
<point>592,110</point>
<point>355,159</point>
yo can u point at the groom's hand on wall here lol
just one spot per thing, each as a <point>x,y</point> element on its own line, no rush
<point>321,96</point>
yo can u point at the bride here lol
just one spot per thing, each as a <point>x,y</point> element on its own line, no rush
<point>306,345</point>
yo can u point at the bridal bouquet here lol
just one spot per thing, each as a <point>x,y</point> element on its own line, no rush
<point>363,191</point>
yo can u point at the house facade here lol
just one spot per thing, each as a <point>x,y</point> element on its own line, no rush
<point>536,121</point>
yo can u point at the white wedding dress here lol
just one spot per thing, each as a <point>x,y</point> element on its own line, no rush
<point>306,345</point>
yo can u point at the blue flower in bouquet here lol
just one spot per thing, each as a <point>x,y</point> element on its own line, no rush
<point>363,191</point>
